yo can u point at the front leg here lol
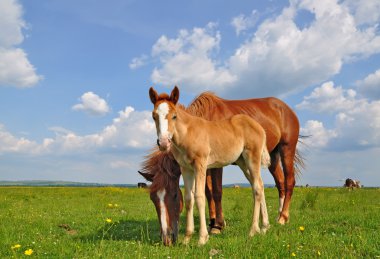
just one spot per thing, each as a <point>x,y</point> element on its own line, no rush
<point>189,180</point>
<point>200,181</point>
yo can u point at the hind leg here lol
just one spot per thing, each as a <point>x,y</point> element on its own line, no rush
<point>251,169</point>
<point>210,199</point>
<point>217,191</point>
<point>287,158</point>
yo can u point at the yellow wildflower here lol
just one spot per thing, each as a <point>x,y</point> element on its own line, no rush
<point>293,254</point>
<point>319,253</point>
<point>108,220</point>
<point>116,205</point>
<point>301,228</point>
<point>28,252</point>
<point>110,205</point>
<point>16,246</point>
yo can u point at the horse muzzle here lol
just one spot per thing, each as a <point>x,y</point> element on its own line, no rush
<point>169,239</point>
<point>163,144</point>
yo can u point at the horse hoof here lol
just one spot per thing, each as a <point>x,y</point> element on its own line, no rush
<point>202,240</point>
<point>254,231</point>
<point>186,240</point>
<point>215,231</point>
<point>264,229</point>
<point>282,220</point>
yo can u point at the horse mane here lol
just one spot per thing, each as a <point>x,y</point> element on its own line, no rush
<point>204,103</point>
<point>162,167</point>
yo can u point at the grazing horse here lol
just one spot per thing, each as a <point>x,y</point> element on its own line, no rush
<point>198,145</point>
<point>282,132</point>
<point>349,183</point>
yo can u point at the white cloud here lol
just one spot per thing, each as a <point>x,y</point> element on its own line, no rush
<point>138,62</point>
<point>370,86</point>
<point>328,98</point>
<point>242,22</point>
<point>15,68</point>
<point>317,135</point>
<point>11,23</point>
<point>131,130</point>
<point>283,56</point>
<point>92,104</point>
<point>365,11</point>
<point>12,144</point>
<point>187,60</point>
<point>357,120</point>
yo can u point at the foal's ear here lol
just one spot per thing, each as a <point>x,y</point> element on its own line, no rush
<point>174,96</point>
<point>153,95</point>
<point>148,177</point>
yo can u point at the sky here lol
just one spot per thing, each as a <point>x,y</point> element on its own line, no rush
<point>75,75</point>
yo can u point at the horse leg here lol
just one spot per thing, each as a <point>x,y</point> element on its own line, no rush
<point>278,175</point>
<point>210,199</point>
<point>189,180</point>
<point>251,169</point>
<point>200,181</point>
<point>287,158</point>
<point>217,191</point>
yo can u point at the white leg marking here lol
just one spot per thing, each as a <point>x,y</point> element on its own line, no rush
<point>281,201</point>
<point>164,225</point>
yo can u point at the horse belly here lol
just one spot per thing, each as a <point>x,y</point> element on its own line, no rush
<point>223,158</point>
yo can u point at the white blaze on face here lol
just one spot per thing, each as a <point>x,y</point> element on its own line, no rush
<point>162,111</point>
<point>161,196</point>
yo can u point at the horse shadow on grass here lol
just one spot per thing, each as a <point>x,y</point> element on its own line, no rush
<point>141,231</point>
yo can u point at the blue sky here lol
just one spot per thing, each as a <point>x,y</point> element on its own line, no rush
<point>74,80</point>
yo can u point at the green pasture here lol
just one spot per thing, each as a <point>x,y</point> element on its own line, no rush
<point>63,222</point>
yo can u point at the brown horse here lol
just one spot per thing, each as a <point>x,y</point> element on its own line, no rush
<point>282,129</point>
<point>198,144</point>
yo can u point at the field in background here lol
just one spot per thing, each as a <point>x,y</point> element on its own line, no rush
<point>122,223</point>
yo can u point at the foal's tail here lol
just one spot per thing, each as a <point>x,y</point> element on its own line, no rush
<point>265,157</point>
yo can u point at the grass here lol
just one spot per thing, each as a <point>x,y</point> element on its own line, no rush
<point>64,222</point>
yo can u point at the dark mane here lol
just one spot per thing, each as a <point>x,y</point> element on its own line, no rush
<point>202,104</point>
<point>163,168</point>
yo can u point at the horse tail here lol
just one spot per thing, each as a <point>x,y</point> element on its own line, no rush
<point>265,157</point>
<point>299,159</point>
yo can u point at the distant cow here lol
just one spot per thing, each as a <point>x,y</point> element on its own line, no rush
<point>141,185</point>
<point>352,183</point>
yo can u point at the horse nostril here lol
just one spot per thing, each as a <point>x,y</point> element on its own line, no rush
<point>158,142</point>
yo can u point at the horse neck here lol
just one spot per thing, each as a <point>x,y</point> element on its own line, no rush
<point>184,123</point>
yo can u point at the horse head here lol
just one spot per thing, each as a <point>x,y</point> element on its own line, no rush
<point>164,114</point>
<point>163,171</point>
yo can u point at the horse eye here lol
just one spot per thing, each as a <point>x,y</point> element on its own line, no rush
<point>175,196</point>
<point>174,117</point>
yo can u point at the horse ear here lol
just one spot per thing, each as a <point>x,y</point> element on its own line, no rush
<point>153,95</point>
<point>148,177</point>
<point>174,96</point>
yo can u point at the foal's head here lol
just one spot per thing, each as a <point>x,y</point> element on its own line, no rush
<point>164,114</point>
<point>163,171</point>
